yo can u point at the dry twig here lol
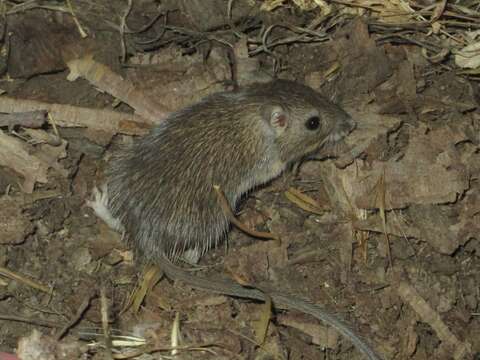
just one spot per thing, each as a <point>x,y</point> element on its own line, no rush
<point>102,77</point>
<point>231,217</point>
<point>74,116</point>
<point>22,279</point>
<point>29,320</point>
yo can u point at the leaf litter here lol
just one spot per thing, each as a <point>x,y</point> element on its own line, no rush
<point>400,224</point>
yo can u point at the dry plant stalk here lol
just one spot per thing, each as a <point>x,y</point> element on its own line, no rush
<point>381,204</point>
<point>261,325</point>
<point>150,276</point>
<point>105,327</point>
<point>231,217</point>
<point>175,334</point>
<point>200,347</point>
<point>304,202</point>
<point>22,279</point>
<point>29,320</point>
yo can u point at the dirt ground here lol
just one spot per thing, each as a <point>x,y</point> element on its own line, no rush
<point>383,232</point>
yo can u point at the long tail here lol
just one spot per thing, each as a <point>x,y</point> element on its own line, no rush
<point>280,300</point>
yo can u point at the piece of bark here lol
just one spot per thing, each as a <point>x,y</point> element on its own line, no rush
<point>32,164</point>
<point>14,225</point>
<point>29,119</point>
<point>49,154</point>
<point>430,172</point>
<point>372,128</point>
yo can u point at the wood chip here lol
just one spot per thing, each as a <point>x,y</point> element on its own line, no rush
<point>321,335</point>
<point>17,155</point>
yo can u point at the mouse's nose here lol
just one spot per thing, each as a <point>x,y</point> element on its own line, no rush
<point>348,125</point>
<point>352,124</point>
<point>344,127</point>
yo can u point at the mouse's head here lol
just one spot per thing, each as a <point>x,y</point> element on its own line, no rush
<point>302,120</point>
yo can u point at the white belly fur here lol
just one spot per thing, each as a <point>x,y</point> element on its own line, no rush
<point>99,204</point>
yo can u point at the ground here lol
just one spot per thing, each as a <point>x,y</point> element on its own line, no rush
<point>382,232</point>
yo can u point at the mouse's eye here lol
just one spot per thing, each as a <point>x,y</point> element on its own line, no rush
<point>313,123</point>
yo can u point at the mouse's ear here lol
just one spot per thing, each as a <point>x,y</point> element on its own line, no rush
<point>276,117</point>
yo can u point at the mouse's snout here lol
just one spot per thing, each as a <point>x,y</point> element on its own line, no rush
<point>344,127</point>
<point>351,124</point>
